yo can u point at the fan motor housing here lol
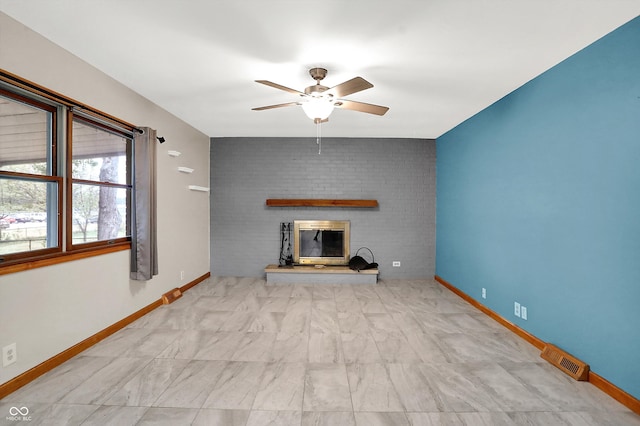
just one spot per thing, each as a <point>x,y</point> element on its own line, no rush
<point>315,90</point>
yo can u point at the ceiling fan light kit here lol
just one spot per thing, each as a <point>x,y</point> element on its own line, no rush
<point>318,109</point>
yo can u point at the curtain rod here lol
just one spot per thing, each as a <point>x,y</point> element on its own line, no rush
<point>160,138</point>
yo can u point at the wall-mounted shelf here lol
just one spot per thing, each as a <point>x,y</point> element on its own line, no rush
<point>198,188</point>
<point>310,202</point>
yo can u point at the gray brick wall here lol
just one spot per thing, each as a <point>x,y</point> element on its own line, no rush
<point>399,173</point>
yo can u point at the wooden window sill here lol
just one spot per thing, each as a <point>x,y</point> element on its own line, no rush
<point>57,258</point>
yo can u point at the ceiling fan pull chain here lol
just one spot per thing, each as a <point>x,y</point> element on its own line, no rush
<point>319,137</point>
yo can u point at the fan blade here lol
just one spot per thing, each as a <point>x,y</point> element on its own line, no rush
<point>354,85</point>
<point>361,107</point>
<point>279,86</point>
<point>275,106</point>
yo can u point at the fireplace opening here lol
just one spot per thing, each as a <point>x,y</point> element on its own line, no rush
<point>321,242</point>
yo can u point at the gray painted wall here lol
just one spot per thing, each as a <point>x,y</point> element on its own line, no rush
<point>399,173</point>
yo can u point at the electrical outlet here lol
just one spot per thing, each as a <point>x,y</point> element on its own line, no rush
<point>484,293</point>
<point>396,263</point>
<point>181,275</point>
<point>516,309</point>
<point>9,355</point>
<point>523,312</point>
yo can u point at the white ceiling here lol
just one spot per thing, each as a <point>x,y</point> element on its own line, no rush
<point>435,63</point>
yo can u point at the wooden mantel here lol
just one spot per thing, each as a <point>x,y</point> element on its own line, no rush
<point>312,202</point>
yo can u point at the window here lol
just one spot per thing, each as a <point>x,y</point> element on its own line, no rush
<point>30,190</point>
<point>100,184</point>
<point>65,176</point>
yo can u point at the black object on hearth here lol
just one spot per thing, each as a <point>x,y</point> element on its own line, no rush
<point>359,263</point>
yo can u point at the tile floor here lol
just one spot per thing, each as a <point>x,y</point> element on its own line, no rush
<point>235,351</point>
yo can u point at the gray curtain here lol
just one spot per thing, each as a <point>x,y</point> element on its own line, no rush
<point>144,250</point>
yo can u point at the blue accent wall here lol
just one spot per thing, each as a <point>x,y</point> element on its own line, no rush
<point>538,201</point>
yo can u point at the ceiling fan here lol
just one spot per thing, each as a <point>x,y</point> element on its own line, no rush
<point>318,101</point>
